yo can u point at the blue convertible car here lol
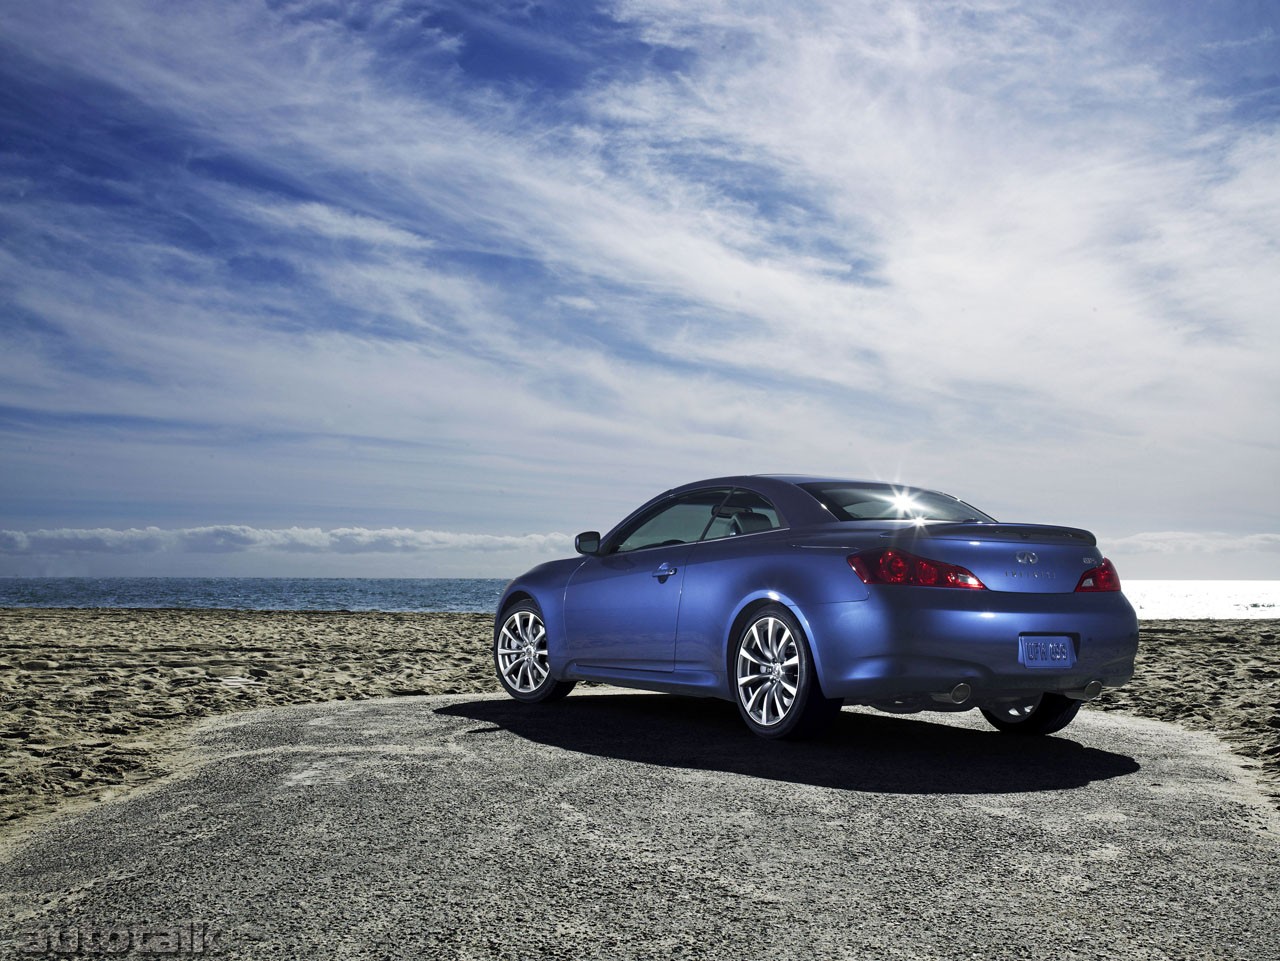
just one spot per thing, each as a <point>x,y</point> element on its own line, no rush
<point>791,596</point>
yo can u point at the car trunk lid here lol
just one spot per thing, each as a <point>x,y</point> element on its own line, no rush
<point>1016,558</point>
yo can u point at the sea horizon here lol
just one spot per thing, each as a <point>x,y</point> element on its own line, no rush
<point>454,595</point>
<point>1164,599</point>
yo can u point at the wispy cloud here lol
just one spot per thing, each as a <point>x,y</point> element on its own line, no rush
<point>401,263</point>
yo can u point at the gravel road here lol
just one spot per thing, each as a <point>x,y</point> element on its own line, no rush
<point>622,825</point>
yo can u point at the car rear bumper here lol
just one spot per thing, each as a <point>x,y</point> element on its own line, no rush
<point>917,644</point>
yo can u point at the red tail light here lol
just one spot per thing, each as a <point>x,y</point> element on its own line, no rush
<point>893,566</point>
<point>1101,578</point>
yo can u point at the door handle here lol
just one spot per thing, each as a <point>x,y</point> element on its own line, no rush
<point>665,571</point>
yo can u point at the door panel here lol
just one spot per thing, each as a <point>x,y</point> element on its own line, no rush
<point>621,607</point>
<point>621,610</point>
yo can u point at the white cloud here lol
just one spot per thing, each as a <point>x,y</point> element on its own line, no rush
<point>326,221</point>
<point>237,539</point>
<point>993,247</point>
<point>576,303</point>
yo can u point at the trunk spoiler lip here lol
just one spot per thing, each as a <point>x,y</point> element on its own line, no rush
<point>984,530</point>
<point>861,535</point>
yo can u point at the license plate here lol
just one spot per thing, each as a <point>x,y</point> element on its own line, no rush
<point>1043,650</point>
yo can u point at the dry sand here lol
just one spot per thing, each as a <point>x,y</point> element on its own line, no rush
<point>93,701</point>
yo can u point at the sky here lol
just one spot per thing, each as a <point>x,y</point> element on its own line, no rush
<point>424,288</point>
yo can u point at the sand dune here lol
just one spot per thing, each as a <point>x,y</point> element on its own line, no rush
<point>92,701</point>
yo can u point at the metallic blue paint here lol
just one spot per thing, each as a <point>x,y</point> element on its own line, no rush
<point>618,617</point>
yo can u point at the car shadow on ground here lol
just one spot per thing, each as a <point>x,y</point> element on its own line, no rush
<point>862,752</point>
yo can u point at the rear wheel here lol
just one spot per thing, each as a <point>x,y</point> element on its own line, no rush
<point>520,656</point>
<point>778,694</point>
<point>1043,714</point>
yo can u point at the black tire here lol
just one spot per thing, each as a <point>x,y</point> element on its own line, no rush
<point>775,685</point>
<point>520,656</point>
<point>1046,714</point>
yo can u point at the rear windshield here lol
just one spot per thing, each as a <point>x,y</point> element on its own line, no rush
<point>883,502</point>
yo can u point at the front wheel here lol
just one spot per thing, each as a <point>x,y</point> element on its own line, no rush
<point>778,694</point>
<point>1043,714</point>
<point>520,656</point>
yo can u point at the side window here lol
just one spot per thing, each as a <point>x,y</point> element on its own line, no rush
<point>744,512</point>
<point>679,521</point>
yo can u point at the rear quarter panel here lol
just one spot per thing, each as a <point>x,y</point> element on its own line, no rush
<point>725,578</point>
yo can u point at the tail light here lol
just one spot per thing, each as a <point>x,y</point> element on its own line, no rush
<point>898,567</point>
<point>1101,578</point>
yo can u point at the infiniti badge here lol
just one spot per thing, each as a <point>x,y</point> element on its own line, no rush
<point>1026,557</point>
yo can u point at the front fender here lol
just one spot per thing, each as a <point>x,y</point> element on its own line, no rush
<point>545,586</point>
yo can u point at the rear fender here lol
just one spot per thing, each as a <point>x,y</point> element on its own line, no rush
<point>742,615</point>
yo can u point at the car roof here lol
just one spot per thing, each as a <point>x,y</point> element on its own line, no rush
<point>784,490</point>
<point>793,480</point>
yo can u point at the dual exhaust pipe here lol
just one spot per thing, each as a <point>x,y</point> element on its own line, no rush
<point>962,692</point>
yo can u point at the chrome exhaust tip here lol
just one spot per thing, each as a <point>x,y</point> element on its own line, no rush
<point>957,695</point>
<point>1086,693</point>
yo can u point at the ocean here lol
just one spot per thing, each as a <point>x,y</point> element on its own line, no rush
<point>1153,600</point>
<point>454,595</point>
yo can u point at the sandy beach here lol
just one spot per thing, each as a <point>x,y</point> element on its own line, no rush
<point>93,702</point>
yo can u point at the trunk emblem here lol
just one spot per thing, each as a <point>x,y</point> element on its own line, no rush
<point>1026,557</point>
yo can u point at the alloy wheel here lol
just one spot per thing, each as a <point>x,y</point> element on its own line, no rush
<point>522,651</point>
<point>768,671</point>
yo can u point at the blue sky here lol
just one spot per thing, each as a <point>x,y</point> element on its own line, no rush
<point>423,288</point>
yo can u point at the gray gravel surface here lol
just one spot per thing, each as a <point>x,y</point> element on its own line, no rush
<point>622,825</point>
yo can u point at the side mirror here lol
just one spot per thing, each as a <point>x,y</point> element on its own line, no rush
<point>588,542</point>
